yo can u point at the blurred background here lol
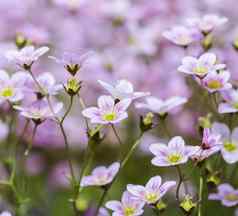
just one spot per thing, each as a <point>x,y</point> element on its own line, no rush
<point>127,43</point>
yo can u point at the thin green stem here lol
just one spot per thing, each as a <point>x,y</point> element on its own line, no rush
<point>179,183</point>
<point>116,134</point>
<point>31,141</point>
<point>68,110</point>
<point>100,203</point>
<point>83,106</point>
<point>200,195</point>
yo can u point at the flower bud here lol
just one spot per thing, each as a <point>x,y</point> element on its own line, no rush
<point>146,122</point>
<point>161,206</point>
<point>207,42</point>
<point>81,204</point>
<point>20,41</point>
<point>235,44</point>
<point>94,137</point>
<point>72,68</point>
<point>73,86</point>
<point>187,205</point>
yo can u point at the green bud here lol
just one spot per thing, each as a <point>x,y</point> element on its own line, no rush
<point>72,68</point>
<point>235,44</point>
<point>20,41</point>
<point>207,42</point>
<point>161,206</point>
<point>94,137</point>
<point>187,204</point>
<point>146,122</point>
<point>81,204</point>
<point>73,86</point>
<point>213,179</point>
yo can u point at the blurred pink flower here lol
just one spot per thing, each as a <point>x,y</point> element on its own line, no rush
<point>231,101</point>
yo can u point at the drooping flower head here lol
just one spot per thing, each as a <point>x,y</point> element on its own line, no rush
<point>161,107</point>
<point>73,62</point>
<point>229,147</point>
<point>217,81</point>
<point>101,175</point>
<point>25,57</point>
<point>12,88</point>
<point>153,191</point>
<point>182,36</point>
<point>207,23</point>
<point>211,144</point>
<point>107,112</point>
<point>129,206</point>
<point>123,89</point>
<point>226,194</point>
<point>231,101</point>
<point>39,110</point>
<point>176,152</point>
<point>200,67</point>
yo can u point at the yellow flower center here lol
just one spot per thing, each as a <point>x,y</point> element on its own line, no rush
<point>214,84</point>
<point>151,197</point>
<point>109,116</point>
<point>231,197</point>
<point>200,70</point>
<point>7,92</point>
<point>174,158</point>
<point>230,147</point>
<point>129,211</point>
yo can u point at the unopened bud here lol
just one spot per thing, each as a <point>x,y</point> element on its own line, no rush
<point>146,122</point>
<point>207,42</point>
<point>161,206</point>
<point>72,68</point>
<point>20,41</point>
<point>235,44</point>
<point>187,205</point>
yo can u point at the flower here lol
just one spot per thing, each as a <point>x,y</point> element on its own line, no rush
<point>26,56</point>
<point>181,35</point>
<point>72,62</point>
<point>47,83</point>
<point>226,194</point>
<point>153,191</point>
<point>122,90</point>
<point>201,66</point>
<point>211,144</point>
<point>159,106</point>
<point>107,112</point>
<point>229,148</point>
<point>39,110</point>
<point>207,23</point>
<point>217,81</point>
<point>129,206</point>
<point>6,213</point>
<point>231,101</point>
<point>101,175</point>
<point>172,154</point>
<point>12,88</point>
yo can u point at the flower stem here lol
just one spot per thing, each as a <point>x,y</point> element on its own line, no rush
<point>83,106</point>
<point>100,203</point>
<point>180,182</point>
<point>31,141</point>
<point>116,134</point>
<point>200,195</point>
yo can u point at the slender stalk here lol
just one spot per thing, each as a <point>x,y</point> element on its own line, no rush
<point>179,183</point>
<point>32,140</point>
<point>68,110</point>
<point>100,203</point>
<point>116,134</point>
<point>200,195</point>
<point>83,106</point>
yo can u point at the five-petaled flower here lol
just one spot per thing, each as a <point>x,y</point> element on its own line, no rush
<point>231,101</point>
<point>207,23</point>
<point>107,112</point>
<point>123,89</point>
<point>153,191</point>
<point>202,66</point>
<point>12,88</point>
<point>161,107</point>
<point>217,81</point>
<point>25,57</point>
<point>226,194</point>
<point>229,148</point>
<point>129,205</point>
<point>101,175</point>
<point>176,152</point>
<point>183,36</point>
<point>40,110</point>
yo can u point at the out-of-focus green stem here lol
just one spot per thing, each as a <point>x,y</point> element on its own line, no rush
<point>179,183</point>
<point>200,195</point>
<point>83,106</point>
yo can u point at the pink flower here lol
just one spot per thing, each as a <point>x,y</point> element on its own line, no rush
<point>107,112</point>
<point>207,23</point>
<point>25,57</point>
<point>159,106</point>
<point>12,88</point>
<point>183,36</point>
<point>123,89</point>
<point>231,101</point>
<point>101,175</point>
<point>129,206</point>
<point>172,154</point>
<point>217,81</point>
<point>200,67</point>
<point>153,191</point>
<point>6,213</point>
<point>226,194</point>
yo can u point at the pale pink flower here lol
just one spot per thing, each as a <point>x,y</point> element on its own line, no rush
<point>231,101</point>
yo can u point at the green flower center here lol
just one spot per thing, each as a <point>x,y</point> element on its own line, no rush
<point>230,147</point>
<point>129,211</point>
<point>200,70</point>
<point>174,158</point>
<point>7,92</point>
<point>109,116</point>
<point>231,197</point>
<point>214,84</point>
<point>151,197</point>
